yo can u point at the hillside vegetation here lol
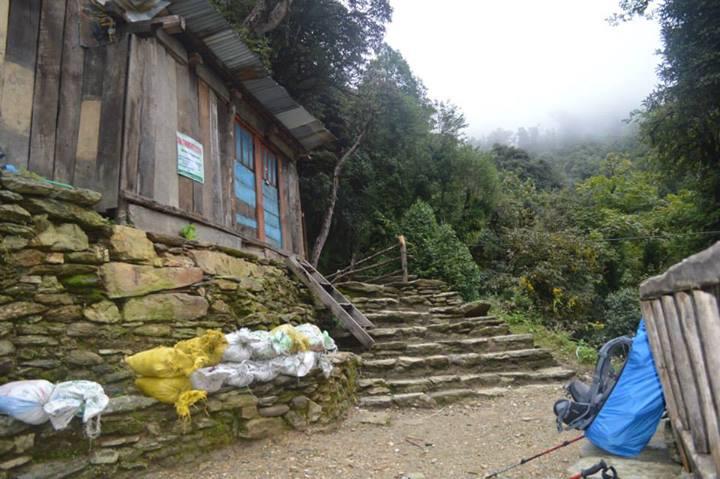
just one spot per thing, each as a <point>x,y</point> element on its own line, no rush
<point>557,228</point>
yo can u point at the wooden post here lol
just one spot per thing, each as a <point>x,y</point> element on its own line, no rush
<point>403,258</point>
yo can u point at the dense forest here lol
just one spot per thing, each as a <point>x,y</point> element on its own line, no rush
<point>560,227</point>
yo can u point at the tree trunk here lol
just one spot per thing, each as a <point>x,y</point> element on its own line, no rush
<point>327,218</point>
<point>259,21</point>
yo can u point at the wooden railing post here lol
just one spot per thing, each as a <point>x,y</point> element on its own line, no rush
<point>403,258</point>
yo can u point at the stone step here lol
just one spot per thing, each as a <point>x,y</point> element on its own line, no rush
<point>427,400</point>
<point>414,366</point>
<point>444,346</point>
<point>410,317</point>
<point>441,330</point>
<point>416,302</point>
<point>380,386</point>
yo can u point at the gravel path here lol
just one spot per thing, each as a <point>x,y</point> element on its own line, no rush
<point>459,441</point>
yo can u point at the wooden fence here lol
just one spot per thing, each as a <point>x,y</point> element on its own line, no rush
<point>683,322</point>
<point>384,260</point>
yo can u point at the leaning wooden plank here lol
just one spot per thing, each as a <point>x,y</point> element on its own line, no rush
<point>659,357</point>
<point>47,89</point>
<point>112,118</point>
<point>708,319</point>
<point>165,188</point>
<point>68,123</point>
<point>133,115</point>
<point>337,310</point>
<point>89,130</point>
<point>685,375</point>
<point>670,361</point>
<point>18,80</point>
<point>693,337</point>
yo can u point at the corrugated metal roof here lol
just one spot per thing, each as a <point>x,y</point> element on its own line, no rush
<point>206,24</point>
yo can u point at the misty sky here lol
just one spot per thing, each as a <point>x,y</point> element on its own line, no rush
<point>512,63</point>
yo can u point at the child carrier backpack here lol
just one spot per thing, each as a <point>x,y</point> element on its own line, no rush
<point>586,400</point>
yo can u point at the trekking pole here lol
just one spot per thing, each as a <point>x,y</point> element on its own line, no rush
<point>608,472</point>
<point>532,458</point>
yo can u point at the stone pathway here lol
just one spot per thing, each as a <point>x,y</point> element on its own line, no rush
<point>432,348</point>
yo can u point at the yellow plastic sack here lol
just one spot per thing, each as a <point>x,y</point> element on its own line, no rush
<point>161,362</point>
<point>177,391</point>
<point>206,350</point>
<point>288,340</point>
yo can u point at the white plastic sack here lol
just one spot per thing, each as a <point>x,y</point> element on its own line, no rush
<point>241,376</point>
<point>257,343</point>
<point>85,399</point>
<point>297,365</point>
<point>236,353</point>
<point>314,335</point>
<point>24,400</point>
<point>210,379</point>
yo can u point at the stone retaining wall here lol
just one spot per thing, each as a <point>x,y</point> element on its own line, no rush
<point>77,294</point>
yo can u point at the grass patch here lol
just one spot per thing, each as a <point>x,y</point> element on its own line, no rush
<point>575,354</point>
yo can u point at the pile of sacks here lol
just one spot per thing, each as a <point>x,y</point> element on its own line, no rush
<point>38,401</point>
<point>164,372</point>
<point>262,356</point>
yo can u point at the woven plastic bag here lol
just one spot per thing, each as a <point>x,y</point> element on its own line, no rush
<point>288,340</point>
<point>243,341</point>
<point>85,399</point>
<point>211,379</point>
<point>206,350</point>
<point>318,341</point>
<point>161,362</point>
<point>24,400</point>
<point>178,391</point>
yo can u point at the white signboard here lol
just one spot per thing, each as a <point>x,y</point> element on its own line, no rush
<point>190,158</point>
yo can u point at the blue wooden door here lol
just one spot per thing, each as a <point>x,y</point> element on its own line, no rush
<point>271,199</point>
<point>244,180</point>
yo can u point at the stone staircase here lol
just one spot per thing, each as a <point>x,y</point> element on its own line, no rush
<point>432,348</point>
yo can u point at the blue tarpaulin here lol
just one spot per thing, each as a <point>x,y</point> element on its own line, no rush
<point>630,416</point>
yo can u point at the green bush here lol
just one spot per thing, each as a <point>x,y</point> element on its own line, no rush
<point>437,252</point>
<point>622,313</point>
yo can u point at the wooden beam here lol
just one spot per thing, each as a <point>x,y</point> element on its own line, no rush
<point>214,81</point>
<point>173,46</point>
<point>134,198</point>
<point>171,24</point>
<point>259,181</point>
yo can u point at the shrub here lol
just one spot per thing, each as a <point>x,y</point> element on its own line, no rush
<point>437,252</point>
<point>622,313</point>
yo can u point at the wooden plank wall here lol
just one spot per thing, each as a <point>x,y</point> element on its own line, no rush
<point>165,94</point>
<point>684,334</point>
<point>106,117</point>
<point>61,112</point>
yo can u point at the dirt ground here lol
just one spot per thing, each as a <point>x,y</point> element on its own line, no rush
<point>459,441</point>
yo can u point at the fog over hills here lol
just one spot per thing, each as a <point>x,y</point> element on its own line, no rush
<point>556,65</point>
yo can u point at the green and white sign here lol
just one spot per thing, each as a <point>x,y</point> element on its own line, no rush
<point>190,158</point>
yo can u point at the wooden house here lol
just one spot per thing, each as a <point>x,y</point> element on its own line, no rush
<point>167,113</point>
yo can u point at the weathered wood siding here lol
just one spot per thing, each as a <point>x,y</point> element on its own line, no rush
<point>681,311</point>
<point>106,117</point>
<point>165,94</point>
<point>61,112</point>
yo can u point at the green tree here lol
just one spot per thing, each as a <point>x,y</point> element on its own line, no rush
<point>437,252</point>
